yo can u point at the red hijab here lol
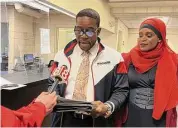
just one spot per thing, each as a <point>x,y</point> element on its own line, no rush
<point>166,80</point>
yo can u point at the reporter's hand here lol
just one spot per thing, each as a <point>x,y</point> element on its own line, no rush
<point>99,109</point>
<point>48,99</point>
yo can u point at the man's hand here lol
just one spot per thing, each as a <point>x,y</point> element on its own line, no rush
<point>99,109</point>
<point>48,99</point>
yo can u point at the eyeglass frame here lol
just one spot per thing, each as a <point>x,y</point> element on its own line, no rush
<point>84,31</point>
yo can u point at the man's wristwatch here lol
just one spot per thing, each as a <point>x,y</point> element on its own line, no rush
<point>109,108</point>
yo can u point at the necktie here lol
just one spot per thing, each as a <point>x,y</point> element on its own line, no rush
<point>82,79</point>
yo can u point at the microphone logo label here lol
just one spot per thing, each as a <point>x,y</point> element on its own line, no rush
<point>64,73</point>
<point>61,72</point>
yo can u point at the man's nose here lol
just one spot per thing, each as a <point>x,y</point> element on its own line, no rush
<point>84,35</point>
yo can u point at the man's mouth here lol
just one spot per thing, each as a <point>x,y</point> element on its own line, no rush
<point>81,42</point>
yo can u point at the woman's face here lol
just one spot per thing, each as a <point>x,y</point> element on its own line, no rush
<point>147,40</point>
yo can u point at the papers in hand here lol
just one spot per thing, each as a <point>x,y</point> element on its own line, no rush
<point>66,105</point>
<point>5,84</point>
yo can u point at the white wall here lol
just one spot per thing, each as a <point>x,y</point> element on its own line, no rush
<point>132,39</point>
<point>4,14</point>
<point>53,22</point>
<point>122,36</point>
<point>101,6</point>
<point>172,35</point>
<point>108,38</point>
<point>21,34</point>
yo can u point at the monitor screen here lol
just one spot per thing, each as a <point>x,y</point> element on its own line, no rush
<point>28,58</point>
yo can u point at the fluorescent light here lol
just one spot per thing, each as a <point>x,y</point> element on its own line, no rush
<point>15,0</point>
<point>57,8</point>
<point>36,5</point>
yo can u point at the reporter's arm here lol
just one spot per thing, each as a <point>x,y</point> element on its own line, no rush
<point>31,115</point>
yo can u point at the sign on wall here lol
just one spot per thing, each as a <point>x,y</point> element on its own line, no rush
<point>45,41</point>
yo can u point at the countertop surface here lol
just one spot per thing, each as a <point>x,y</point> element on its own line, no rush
<point>28,76</point>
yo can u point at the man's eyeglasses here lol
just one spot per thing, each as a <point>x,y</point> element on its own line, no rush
<point>80,31</point>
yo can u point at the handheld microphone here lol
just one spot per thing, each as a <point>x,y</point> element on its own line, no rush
<point>54,66</point>
<point>60,74</point>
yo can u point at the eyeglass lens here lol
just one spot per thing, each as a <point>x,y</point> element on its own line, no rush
<point>88,32</point>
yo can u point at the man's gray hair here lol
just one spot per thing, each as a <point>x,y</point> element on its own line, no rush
<point>90,13</point>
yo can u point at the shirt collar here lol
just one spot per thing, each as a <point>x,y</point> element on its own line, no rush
<point>93,51</point>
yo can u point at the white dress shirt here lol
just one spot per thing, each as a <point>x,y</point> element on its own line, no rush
<point>76,59</point>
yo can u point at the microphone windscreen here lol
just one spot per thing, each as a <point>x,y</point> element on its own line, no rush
<point>64,72</point>
<point>54,66</point>
<point>61,73</point>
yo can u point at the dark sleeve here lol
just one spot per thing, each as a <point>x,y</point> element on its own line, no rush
<point>120,88</point>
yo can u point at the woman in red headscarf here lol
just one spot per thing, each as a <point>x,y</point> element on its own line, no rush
<point>153,78</point>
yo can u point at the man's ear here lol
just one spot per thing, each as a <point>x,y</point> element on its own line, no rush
<point>98,31</point>
<point>159,40</point>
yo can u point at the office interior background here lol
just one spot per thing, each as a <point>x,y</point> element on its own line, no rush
<point>33,31</point>
<point>39,28</point>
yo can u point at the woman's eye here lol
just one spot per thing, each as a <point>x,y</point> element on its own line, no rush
<point>149,36</point>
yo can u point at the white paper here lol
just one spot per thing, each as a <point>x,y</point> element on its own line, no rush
<point>4,81</point>
<point>45,40</point>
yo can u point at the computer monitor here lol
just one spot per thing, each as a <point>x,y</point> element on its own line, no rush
<point>28,58</point>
